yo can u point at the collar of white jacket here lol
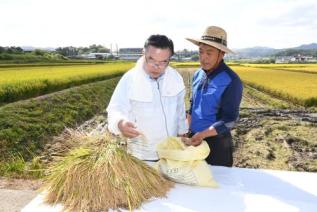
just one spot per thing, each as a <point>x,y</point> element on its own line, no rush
<point>140,88</point>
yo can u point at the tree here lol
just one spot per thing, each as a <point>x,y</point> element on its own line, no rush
<point>39,52</point>
<point>68,51</point>
<point>2,50</point>
<point>195,57</point>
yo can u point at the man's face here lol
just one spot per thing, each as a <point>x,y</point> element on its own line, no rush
<point>156,60</point>
<point>209,57</point>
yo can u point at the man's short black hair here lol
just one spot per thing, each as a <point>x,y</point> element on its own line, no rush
<point>161,42</point>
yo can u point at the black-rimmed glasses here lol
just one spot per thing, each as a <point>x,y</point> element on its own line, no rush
<point>156,64</point>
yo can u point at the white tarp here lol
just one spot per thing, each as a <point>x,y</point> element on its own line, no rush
<point>240,189</point>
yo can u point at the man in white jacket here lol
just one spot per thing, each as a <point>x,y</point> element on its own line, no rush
<point>148,105</point>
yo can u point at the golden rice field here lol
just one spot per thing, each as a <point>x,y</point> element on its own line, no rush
<point>298,87</point>
<point>307,68</point>
<point>184,64</point>
<point>296,83</point>
<point>25,82</point>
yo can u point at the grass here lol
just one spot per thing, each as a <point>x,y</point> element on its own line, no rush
<point>16,167</point>
<point>26,126</point>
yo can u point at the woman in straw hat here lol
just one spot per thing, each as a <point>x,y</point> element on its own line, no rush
<point>217,92</point>
<point>148,105</point>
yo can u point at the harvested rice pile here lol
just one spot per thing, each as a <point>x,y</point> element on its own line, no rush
<point>100,175</point>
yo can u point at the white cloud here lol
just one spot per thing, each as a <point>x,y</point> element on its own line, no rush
<point>42,23</point>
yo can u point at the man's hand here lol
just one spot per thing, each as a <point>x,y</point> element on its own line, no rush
<point>200,136</point>
<point>197,139</point>
<point>186,140</point>
<point>128,129</point>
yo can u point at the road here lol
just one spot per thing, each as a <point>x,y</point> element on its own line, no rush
<point>15,200</point>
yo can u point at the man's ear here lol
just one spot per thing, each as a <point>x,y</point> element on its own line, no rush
<point>222,54</point>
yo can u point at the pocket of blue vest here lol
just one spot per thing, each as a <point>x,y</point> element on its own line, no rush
<point>209,105</point>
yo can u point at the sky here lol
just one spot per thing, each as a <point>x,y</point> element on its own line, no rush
<point>127,23</point>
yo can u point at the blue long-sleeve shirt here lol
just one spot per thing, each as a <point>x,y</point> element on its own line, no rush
<point>215,99</point>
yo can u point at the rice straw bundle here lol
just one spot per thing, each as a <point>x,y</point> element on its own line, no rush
<point>100,175</point>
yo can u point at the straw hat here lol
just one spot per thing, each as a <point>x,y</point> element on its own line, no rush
<point>213,36</point>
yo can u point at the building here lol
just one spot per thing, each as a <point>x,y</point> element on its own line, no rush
<point>96,55</point>
<point>130,53</point>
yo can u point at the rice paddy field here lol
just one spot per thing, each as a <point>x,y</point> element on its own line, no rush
<point>296,83</point>
<point>298,87</point>
<point>22,82</point>
<point>306,68</point>
<point>272,132</point>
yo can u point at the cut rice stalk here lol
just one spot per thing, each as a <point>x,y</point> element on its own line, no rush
<point>101,175</point>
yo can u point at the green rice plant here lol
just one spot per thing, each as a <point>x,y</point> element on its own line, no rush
<point>26,126</point>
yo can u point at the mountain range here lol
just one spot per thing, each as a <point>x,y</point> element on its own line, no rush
<point>266,51</point>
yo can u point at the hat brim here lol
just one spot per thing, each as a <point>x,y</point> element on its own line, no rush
<point>210,43</point>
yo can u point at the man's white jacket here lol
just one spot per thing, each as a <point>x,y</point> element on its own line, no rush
<point>156,107</point>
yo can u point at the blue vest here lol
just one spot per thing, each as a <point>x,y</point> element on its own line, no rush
<point>206,97</point>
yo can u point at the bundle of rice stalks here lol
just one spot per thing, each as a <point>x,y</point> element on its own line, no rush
<point>101,175</point>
